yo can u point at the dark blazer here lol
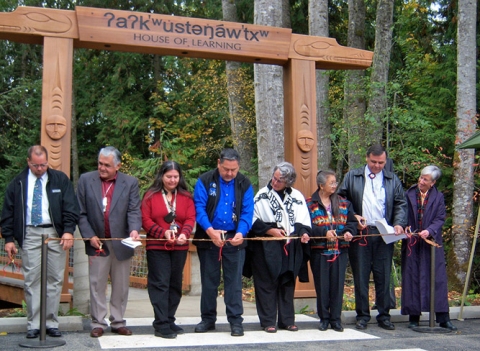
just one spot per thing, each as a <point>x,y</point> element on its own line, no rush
<point>125,214</point>
<point>63,207</point>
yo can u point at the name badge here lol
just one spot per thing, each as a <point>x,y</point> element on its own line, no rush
<point>56,191</point>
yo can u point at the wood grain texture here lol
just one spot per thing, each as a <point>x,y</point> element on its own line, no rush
<point>182,36</point>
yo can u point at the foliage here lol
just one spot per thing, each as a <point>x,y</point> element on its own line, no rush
<point>156,108</point>
<point>471,299</point>
<point>20,101</point>
<point>348,302</point>
<point>71,312</point>
<point>112,105</point>
<point>191,134</point>
<point>22,311</point>
<point>19,312</point>
<point>304,310</point>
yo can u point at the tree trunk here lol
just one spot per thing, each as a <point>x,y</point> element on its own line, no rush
<point>241,122</point>
<point>269,105</point>
<point>355,104</point>
<point>377,104</point>
<point>466,124</point>
<point>74,145</point>
<point>318,26</point>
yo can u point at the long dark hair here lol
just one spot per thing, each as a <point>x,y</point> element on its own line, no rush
<point>334,198</point>
<point>157,185</point>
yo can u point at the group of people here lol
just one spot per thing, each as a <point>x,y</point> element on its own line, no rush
<point>283,229</point>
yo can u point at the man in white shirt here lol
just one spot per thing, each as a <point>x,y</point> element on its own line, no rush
<point>375,194</point>
<point>40,201</point>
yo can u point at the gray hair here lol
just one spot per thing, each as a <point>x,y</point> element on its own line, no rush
<point>434,171</point>
<point>229,155</point>
<point>111,151</point>
<point>322,176</point>
<point>287,173</point>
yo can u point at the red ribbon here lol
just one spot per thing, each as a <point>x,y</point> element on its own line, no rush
<point>335,248</point>
<point>99,252</point>
<point>411,242</point>
<point>361,237</point>
<point>15,267</point>
<point>169,244</point>
<point>285,248</point>
<point>221,248</point>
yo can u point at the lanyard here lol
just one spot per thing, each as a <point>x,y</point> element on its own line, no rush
<point>104,199</point>
<point>170,207</point>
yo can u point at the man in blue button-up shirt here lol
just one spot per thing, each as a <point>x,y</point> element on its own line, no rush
<point>224,205</point>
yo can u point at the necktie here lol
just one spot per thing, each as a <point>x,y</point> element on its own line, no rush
<point>37,203</point>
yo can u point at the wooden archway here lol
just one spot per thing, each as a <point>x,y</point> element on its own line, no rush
<point>61,31</point>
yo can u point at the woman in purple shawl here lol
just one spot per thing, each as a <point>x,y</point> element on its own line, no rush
<point>426,216</point>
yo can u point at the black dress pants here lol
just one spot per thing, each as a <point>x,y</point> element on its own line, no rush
<point>367,255</point>
<point>329,279</point>
<point>165,273</point>
<point>273,295</point>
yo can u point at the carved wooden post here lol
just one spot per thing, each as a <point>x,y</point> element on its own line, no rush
<point>57,110</point>
<point>300,122</point>
<point>301,135</point>
<point>57,101</point>
<point>105,29</point>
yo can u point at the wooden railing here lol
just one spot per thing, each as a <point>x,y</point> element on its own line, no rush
<point>11,286</point>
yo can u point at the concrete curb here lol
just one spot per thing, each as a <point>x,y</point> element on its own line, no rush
<point>78,323</point>
<point>19,324</point>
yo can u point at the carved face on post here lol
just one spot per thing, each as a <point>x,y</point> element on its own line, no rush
<point>305,140</point>
<point>56,126</point>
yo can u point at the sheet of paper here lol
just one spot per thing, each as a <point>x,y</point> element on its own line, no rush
<point>131,243</point>
<point>387,231</point>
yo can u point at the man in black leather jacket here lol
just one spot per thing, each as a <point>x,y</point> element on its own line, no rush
<point>375,194</point>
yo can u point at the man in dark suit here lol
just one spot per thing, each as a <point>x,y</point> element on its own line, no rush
<point>109,209</point>
<point>40,201</point>
<point>375,194</point>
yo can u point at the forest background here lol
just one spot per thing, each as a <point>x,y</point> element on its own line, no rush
<point>417,99</point>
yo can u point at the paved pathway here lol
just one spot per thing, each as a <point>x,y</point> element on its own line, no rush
<point>140,315</point>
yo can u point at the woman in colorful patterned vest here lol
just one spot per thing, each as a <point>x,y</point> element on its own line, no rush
<point>333,226</point>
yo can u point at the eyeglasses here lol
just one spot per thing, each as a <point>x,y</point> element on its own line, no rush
<point>42,165</point>
<point>276,180</point>
<point>333,184</point>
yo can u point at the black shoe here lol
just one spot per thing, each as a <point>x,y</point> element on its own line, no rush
<point>337,326</point>
<point>237,330</point>
<point>177,329</point>
<point>203,327</point>
<point>361,324</point>
<point>413,325</point>
<point>166,333</point>
<point>33,333</point>
<point>447,325</point>
<point>54,332</point>
<point>386,324</point>
<point>323,325</point>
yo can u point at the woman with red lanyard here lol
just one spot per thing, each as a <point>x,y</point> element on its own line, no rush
<point>168,214</point>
